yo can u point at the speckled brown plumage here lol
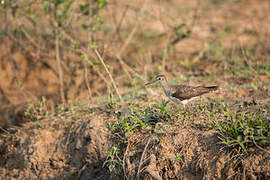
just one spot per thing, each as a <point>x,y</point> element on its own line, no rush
<point>182,93</point>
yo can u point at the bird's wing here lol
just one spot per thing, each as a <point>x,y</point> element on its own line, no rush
<point>183,92</point>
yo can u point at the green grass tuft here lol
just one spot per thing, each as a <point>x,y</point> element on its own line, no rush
<point>243,128</point>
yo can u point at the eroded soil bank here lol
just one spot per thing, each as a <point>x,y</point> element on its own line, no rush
<point>78,144</point>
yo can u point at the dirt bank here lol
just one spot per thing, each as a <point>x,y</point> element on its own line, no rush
<point>78,144</point>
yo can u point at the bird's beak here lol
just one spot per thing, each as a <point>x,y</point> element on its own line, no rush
<point>151,82</point>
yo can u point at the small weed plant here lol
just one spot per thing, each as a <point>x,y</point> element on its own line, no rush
<point>113,162</point>
<point>243,129</point>
<point>139,119</point>
<point>37,111</point>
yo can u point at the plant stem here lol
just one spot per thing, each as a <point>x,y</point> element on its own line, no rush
<point>60,72</point>
<point>108,72</point>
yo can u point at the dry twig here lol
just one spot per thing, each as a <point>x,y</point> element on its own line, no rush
<point>60,71</point>
<point>110,75</point>
<point>142,157</point>
<point>119,54</point>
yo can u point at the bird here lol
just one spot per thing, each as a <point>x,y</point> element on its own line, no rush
<point>181,94</point>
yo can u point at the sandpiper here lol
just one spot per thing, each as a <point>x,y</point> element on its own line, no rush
<point>182,94</point>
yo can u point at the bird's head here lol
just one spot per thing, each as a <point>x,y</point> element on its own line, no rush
<point>159,78</point>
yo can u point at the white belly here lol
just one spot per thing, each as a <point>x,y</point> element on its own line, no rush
<point>184,102</point>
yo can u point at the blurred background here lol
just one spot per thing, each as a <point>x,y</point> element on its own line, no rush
<point>56,51</point>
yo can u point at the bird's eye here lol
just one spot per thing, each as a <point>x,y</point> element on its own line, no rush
<point>158,78</point>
